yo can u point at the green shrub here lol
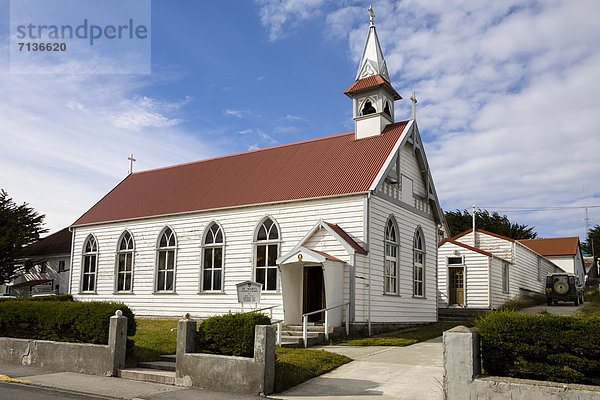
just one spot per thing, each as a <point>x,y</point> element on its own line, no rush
<point>55,297</point>
<point>63,321</point>
<point>543,347</point>
<point>230,334</point>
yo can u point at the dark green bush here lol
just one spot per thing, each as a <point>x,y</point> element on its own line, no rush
<point>230,334</point>
<point>63,321</point>
<point>543,347</point>
<point>55,297</point>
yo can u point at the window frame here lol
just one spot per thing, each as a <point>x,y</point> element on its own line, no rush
<point>213,246</point>
<point>126,252</point>
<point>84,256</point>
<point>167,249</point>
<point>386,242</point>
<point>62,266</point>
<point>267,242</point>
<point>423,253</point>
<point>505,277</point>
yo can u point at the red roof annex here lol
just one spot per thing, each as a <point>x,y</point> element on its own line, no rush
<point>329,166</point>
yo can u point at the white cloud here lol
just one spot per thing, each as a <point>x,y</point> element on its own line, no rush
<point>291,117</point>
<point>276,15</point>
<point>507,95</point>
<point>64,141</point>
<point>235,113</point>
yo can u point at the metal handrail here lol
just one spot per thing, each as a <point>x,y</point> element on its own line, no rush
<point>270,308</point>
<point>278,322</point>
<point>325,310</point>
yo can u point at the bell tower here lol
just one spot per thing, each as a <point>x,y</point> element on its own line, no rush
<point>372,93</point>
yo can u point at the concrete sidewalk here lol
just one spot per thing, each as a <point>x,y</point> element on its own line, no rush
<point>412,372</point>
<point>107,387</point>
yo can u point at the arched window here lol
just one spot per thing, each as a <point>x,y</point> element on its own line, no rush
<point>212,268</point>
<point>165,271</point>
<point>90,265</point>
<point>368,108</point>
<point>387,109</point>
<point>267,250</point>
<point>419,264</point>
<point>125,263</point>
<point>391,257</point>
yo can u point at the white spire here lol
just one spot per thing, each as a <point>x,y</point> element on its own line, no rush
<point>372,62</point>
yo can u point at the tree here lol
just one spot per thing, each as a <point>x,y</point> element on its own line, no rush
<point>461,221</point>
<point>593,238</point>
<point>20,225</point>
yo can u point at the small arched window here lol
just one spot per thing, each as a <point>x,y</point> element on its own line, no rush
<point>391,257</point>
<point>125,263</point>
<point>387,109</point>
<point>90,265</point>
<point>165,274</point>
<point>419,264</point>
<point>212,267</point>
<point>267,250</point>
<point>368,108</point>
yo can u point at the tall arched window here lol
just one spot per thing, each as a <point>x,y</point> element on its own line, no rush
<point>125,263</point>
<point>391,257</point>
<point>212,268</point>
<point>165,271</point>
<point>419,264</point>
<point>267,243</point>
<point>90,265</point>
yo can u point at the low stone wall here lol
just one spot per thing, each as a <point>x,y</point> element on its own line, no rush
<point>93,359</point>
<point>226,373</point>
<point>462,380</point>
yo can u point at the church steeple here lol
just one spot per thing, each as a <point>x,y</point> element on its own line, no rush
<point>372,94</point>
<point>372,62</point>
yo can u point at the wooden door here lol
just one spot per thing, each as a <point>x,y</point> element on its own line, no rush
<point>456,286</point>
<point>313,293</point>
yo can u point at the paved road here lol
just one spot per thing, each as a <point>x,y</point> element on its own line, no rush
<point>24,392</point>
<point>560,309</point>
<point>412,372</point>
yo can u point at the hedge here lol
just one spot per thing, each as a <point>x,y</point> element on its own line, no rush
<point>542,347</point>
<point>54,297</point>
<point>63,321</point>
<point>230,334</point>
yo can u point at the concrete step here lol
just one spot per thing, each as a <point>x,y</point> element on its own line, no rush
<point>309,328</point>
<point>168,357</point>
<point>158,365</point>
<point>148,375</point>
<point>296,341</point>
<point>299,333</point>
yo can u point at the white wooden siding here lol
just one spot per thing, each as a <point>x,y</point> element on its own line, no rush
<point>476,275</point>
<point>295,219</point>
<point>403,307</point>
<point>498,296</point>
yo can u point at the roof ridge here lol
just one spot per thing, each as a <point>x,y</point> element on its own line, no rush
<point>243,153</point>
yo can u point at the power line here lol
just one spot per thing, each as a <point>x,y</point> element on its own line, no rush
<point>532,209</point>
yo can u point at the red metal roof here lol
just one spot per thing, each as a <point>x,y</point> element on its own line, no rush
<point>327,256</point>
<point>57,243</point>
<point>466,246</point>
<point>329,166</point>
<point>347,238</point>
<point>553,246</point>
<point>368,83</point>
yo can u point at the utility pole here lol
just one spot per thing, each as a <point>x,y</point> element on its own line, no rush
<point>474,230</point>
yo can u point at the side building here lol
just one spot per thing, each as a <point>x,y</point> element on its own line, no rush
<point>351,218</point>
<point>564,252</point>
<point>48,267</point>
<point>485,270</point>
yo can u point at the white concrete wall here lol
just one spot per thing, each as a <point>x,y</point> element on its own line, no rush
<point>295,219</point>
<point>476,275</point>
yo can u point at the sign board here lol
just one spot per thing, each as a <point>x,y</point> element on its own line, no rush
<point>249,292</point>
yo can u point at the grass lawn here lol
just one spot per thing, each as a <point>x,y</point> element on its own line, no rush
<point>408,336</point>
<point>153,337</point>
<point>591,306</point>
<point>292,366</point>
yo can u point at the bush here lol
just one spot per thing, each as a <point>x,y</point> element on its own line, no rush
<point>520,302</point>
<point>63,321</point>
<point>55,297</point>
<point>543,347</point>
<point>230,334</point>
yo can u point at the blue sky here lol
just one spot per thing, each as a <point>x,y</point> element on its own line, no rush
<point>508,103</point>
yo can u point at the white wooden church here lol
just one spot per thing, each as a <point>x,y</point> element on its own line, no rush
<point>350,218</point>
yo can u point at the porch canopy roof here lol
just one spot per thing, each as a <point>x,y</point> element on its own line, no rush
<point>306,255</point>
